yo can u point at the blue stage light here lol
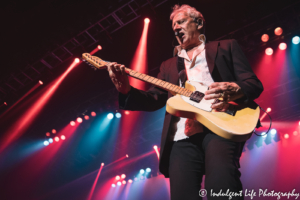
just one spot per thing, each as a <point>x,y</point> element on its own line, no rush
<point>50,140</point>
<point>142,171</point>
<point>296,40</point>
<point>264,134</point>
<point>113,185</point>
<point>119,183</point>
<point>148,170</point>
<point>273,131</point>
<point>118,115</point>
<point>46,143</point>
<point>110,116</point>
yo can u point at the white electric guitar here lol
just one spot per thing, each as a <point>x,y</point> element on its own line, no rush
<point>236,124</point>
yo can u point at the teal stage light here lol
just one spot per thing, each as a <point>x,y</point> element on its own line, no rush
<point>118,115</point>
<point>46,143</point>
<point>273,131</point>
<point>110,116</point>
<point>148,170</point>
<point>296,40</point>
<point>50,140</point>
<point>142,171</point>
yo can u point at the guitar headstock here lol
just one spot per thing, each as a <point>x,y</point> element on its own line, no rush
<point>94,61</point>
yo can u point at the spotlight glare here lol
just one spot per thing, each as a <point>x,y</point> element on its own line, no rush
<point>273,131</point>
<point>118,115</point>
<point>265,37</point>
<point>102,164</point>
<point>299,123</point>
<point>77,60</point>
<point>110,116</point>
<point>41,82</point>
<point>269,51</point>
<point>113,185</point>
<point>123,176</point>
<point>142,171</point>
<point>53,131</point>
<point>282,46</point>
<point>79,119</point>
<point>48,134</point>
<point>155,147</point>
<point>269,110</point>
<point>264,134</point>
<point>146,20</point>
<point>63,137</point>
<point>295,133</point>
<point>72,123</point>
<point>50,140</point>
<point>278,31</point>
<point>99,47</point>
<point>136,179</point>
<point>148,170</point>
<point>56,139</point>
<point>119,183</point>
<point>129,181</point>
<point>127,112</point>
<point>117,178</point>
<point>142,177</point>
<point>46,143</point>
<point>286,136</point>
<point>86,117</point>
<point>296,40</point>
<point>127,156</point>
<point>124,182</point>
<point>93,114</point>
<point>5,103</point>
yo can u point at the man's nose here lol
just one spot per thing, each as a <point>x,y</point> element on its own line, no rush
<point>177,27</point>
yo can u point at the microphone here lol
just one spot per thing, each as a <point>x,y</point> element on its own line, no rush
<point>177,36</point>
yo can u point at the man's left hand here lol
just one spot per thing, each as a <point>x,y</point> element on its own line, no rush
<point>224,91</point>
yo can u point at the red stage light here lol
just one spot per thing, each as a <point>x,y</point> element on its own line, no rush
<point>41,82</point>
<point>99,47</point>
<point>127,156</point>
<point>86,117</point>
<point>269,109</point>
<point>127,112</point>
<point>72,123</point>
<point>286,136</point>
<point>146,20</point>
<point>269,51</point>
<point>129,181</point>
<point>79,120</point>
<point>155,147</point>
<point>93,114</point>
<point>295,133</point>
<point>48,134</point>
<point>63,137</point>
<point>5,103</point>
<point>299,123</point>
<point>117,178</point>
<point>77,60</point>
<point>124,182</point>
<point>278,31</point>
<point>102,164</point>
<point>282,46</point>
<point>53,131</point>
<point>56,139</point>
<point>123,176</point>
<point>265,38</point>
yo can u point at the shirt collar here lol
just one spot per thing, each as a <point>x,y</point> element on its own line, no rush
<point>183,54</point>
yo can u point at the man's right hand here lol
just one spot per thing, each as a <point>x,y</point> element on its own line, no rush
<point>118,76</point>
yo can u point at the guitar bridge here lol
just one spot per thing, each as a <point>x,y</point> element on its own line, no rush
<point>196,96</point>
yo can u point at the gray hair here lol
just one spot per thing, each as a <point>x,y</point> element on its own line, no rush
<point>191,11</point>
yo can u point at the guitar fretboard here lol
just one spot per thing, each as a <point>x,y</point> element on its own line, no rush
<point>159,83</point>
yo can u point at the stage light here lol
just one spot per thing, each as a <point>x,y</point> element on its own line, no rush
<point>127,156</point>
<point>273,131</point>
<point>278,31</point>
<point>117,178</point>
<point>127,112</point>
<point>102,164</point>
<point>41,82</point>
<point>265,37</point>
<point>93,114</point>
<point>56,139</point>
<point>286,136</point>
<point>48,134</point>
<point>118,115</point>
<point>113,185</point>
<point>263,134</point>
<point>63,137</point>
<point>77,60</point>
<point>124,182</point>
<point>148,170</point>
<point>119,183</point>
<point>79,119</point>
<point>72,123</point>
<point>99,47</point>
<point>296,40</point>
<point>53,131</point>
<point>86,117</point>
<point>269,51</point>
<point>110,116</point>
<point>299,123</point>
<point>155,147</point>
<point>269,110</point>
<point>46,143</point>
<point>129,181</point>
<point>136,179</point>
<point>146,20</point>
<point>142,171</point>
<point>142,177</point>
<point>282,46</point>
<point>123,176</point>
<point>50,140</point>
<point>295,133</point>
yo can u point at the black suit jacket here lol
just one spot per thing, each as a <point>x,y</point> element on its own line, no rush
<point>226,62</point>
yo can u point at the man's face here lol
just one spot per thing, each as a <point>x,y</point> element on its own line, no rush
<point>188,30</point>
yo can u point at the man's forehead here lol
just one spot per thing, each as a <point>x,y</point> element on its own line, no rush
<point>180,15</point>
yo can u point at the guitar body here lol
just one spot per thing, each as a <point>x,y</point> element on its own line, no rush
<point>237,127</point>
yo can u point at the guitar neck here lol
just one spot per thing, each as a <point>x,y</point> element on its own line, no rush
<point>159,83</point>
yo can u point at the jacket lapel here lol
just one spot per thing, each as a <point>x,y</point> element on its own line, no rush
<point>211,50</point>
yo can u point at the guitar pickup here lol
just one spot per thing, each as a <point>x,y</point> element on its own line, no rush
<point>196,96</point>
